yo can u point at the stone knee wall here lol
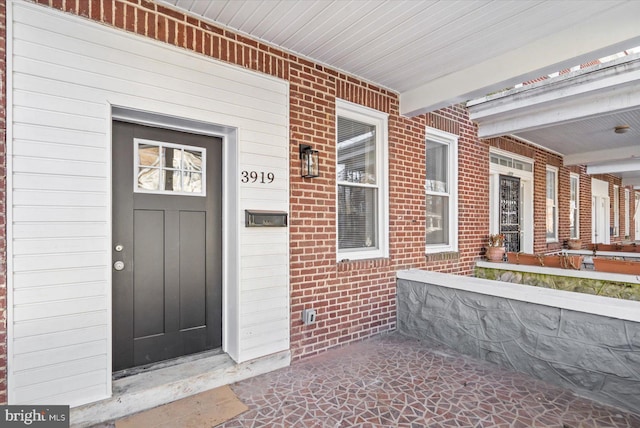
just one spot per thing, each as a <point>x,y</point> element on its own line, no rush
<point>595,356</point>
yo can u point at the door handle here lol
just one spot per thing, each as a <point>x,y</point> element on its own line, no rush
<point>119,265</point>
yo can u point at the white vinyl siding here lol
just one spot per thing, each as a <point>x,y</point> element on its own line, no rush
<point>67,75</point>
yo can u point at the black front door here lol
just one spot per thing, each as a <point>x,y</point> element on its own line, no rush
<point>510,212</point>
<point>167,244</point>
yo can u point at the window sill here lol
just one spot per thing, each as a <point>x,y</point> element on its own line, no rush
<point>347,265</point>
<point>443,255</point>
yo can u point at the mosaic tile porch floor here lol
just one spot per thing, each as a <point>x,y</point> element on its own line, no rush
<point>395,381</point>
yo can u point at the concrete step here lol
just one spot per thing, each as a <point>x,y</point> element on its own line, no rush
<point>165,383</point>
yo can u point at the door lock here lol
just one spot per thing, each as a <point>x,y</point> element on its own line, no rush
<point>119,247</point>
<point>119,265</point>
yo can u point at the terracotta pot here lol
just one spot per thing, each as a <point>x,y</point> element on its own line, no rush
<point>607,247</point>
<point>574,244</point>
<point>523,259</point>
<point>562,261</point>
<point>495,254</point>
<point>616,266</point>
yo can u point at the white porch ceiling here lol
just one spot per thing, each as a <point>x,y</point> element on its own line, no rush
<point>434,53</point>
<point>438,53</point>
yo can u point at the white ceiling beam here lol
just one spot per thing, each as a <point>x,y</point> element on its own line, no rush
<point>627,165</point>
<point>631,181</point>
<point>605,155</point>
<point>607,90</point>
<point>577,44</point>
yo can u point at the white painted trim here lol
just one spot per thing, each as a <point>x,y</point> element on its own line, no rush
<point>599,188</point>
<point>616,210</point>
<point>627,213</point>
<point>605,306</point>
<point>555,171</point>
<point>615,166</point>
<point>109,145</point>
<point>574,176</point>
<point>611,154</point>
<point>505,169</point>
<point>600,203</point>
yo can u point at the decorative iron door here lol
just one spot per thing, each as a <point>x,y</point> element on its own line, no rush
<point>510,212</point>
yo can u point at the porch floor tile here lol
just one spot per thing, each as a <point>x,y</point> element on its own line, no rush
<point>396,381</point>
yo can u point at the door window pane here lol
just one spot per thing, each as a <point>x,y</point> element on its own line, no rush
<point>169,168</point>
<point>149,178</point>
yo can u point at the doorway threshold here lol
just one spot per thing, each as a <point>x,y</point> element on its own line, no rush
<point>156,386</point>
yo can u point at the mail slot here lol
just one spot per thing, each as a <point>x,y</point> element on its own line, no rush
<point>259,218</point>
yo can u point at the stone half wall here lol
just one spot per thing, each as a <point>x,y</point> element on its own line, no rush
<point>595,355</point>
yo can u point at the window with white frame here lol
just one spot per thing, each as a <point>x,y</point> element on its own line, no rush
<point>362,182</point>
<point>616,210</point>
<point>441,191</point>
<point>574,207</point>
<point>627,213</point>
<point>552,204</point>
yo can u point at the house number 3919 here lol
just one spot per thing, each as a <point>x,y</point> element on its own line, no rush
<point>257,176</point>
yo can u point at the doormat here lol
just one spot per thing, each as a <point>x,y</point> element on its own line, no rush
<point>207,409</point>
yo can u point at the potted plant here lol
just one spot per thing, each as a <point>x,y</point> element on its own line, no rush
<point>495,248</point>
<point>574,244</point>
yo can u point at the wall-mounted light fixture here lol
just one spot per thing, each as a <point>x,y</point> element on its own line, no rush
<point>309,162</point>
<point>621,129</point>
